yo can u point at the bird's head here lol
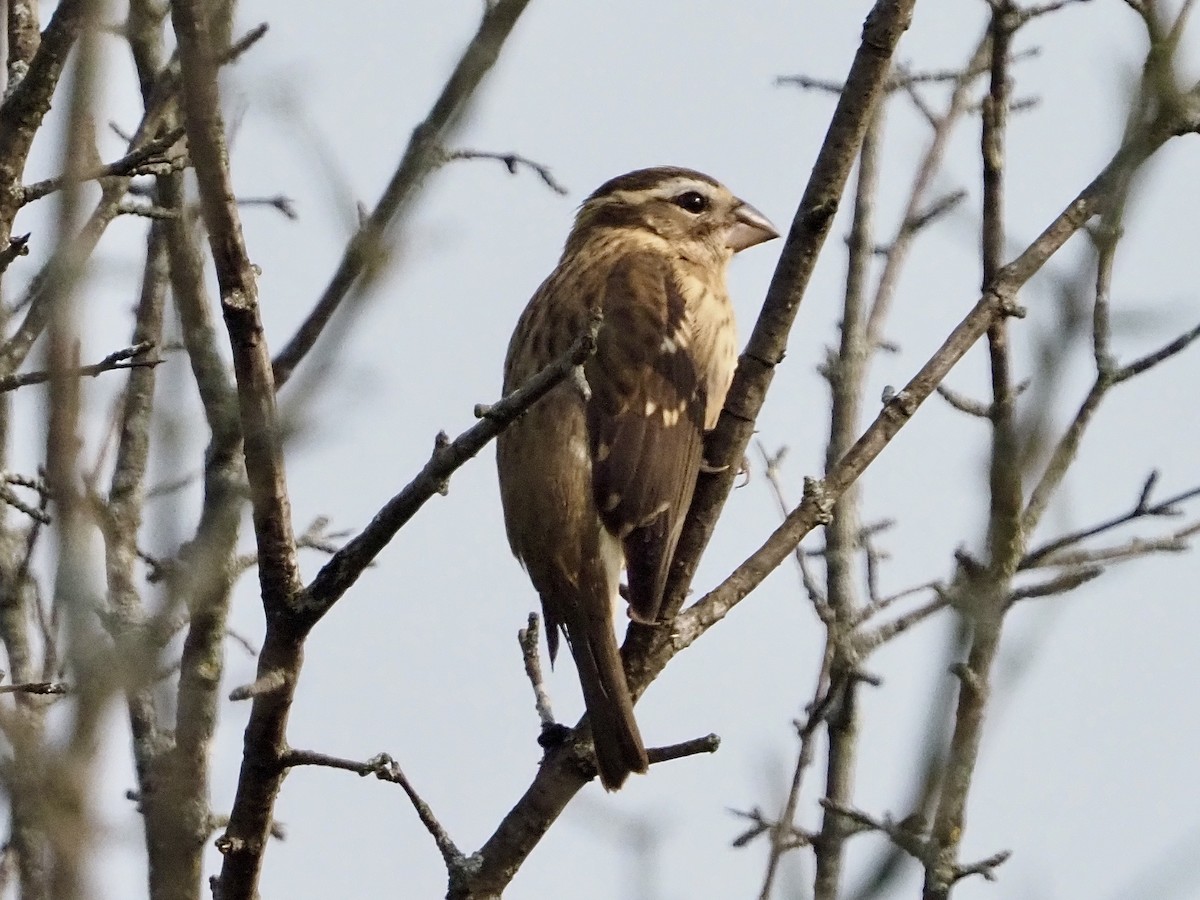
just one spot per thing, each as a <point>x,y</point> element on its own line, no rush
<point>693,213</point>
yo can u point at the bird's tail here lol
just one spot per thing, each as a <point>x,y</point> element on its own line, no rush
<point>619,747</point>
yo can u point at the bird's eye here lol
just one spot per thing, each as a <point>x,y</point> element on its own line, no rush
<point>692,201</point>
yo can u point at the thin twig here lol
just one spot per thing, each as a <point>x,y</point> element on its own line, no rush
<point>866,641</point>
<point>964,404</point>
<point>528,639</point>
<point>513,162</point>
<point>873,609</point>
<point>710,743</point>
<point>904,78</point>
<point>816,593</point>
<point>1142,508</point>
<point>150,159</point>
<point>1176,542</point>
<point>385,768</point>
<point>119,359</point>
<point>1068,581</point>
<point>909,841</point>
<point>923,180</point>
<point>37,687</point>
<point>280,203</point>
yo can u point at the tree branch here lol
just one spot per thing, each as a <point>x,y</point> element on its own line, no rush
<point>513,162</point>
<point>727,444</point>
<point>344,568</point>
<point>279,579</point>
<point>149,159</point>
<point>420,156</point>
<point>118,359</point>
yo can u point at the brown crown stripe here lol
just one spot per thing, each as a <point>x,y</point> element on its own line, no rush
<point>642,179</point>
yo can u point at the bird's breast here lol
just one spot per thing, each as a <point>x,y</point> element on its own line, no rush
<point>714,341</point>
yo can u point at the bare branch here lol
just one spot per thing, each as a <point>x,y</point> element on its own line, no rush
<point>727,444</point>
<point>17,246</point>
<point>152,158</point>
<point>1034,12</point>
<point>26,102</point>
<point>1136,548</point>
<point>964,404</point>
<point>1064,583</point>
<point>793,839</point>
<point>337,575</point>
<point>528,639</point>
<point>875,607</point>
<point>8,496</point>
<point>420,157</point>
<point>710,743</point>
<point>279,578</point>
<point>904,78</point>
<point>987,866</point>
<point>815,593</point>
<point>385,768</point>
<point>267,683</point>
<point>45,688</point>
<point>23,40</point>
<point>1138,366</point>
<point>1004,536</point>
<point>513,162</point>
<point>908,841</point>
<point>843,534</point>
<point>286,206</point>
<point>118,359</point>
<point>922,218</point>
<point>881,634</point>
<point>1046,554</point>
<point>923,180</point>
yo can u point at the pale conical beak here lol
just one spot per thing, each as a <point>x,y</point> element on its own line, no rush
<point>751,227</point>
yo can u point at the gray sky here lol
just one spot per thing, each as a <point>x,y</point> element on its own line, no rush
<point>1087,771</point>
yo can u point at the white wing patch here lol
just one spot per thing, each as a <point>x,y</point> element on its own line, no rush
<point>578,449</point>
<point>673,343</point>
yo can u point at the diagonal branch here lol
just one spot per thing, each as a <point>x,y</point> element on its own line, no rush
<point>865,83</point>
<point>1046,554</point>
<point>560,777</point>
<point>422,155</point>
<point>337,575</point>
<point>385,768</point>
<point>22,110</point>
<point>995,303</point>
<point>648,650</point>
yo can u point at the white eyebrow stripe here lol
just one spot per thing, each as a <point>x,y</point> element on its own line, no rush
<point>676,186</point>
<point>668,189</point>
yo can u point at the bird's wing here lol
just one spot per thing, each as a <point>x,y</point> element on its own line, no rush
<point>645,421</point>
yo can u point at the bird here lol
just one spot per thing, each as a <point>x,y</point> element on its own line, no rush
<point>598,475</point>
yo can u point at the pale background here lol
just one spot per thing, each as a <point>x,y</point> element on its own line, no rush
<point>1088,771</point>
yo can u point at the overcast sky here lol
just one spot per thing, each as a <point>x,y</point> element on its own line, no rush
<point>1088,768</point>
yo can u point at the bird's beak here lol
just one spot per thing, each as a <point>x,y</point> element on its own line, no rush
<point>750,227</point>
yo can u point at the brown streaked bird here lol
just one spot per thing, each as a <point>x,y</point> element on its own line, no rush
<point>596,479</point>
